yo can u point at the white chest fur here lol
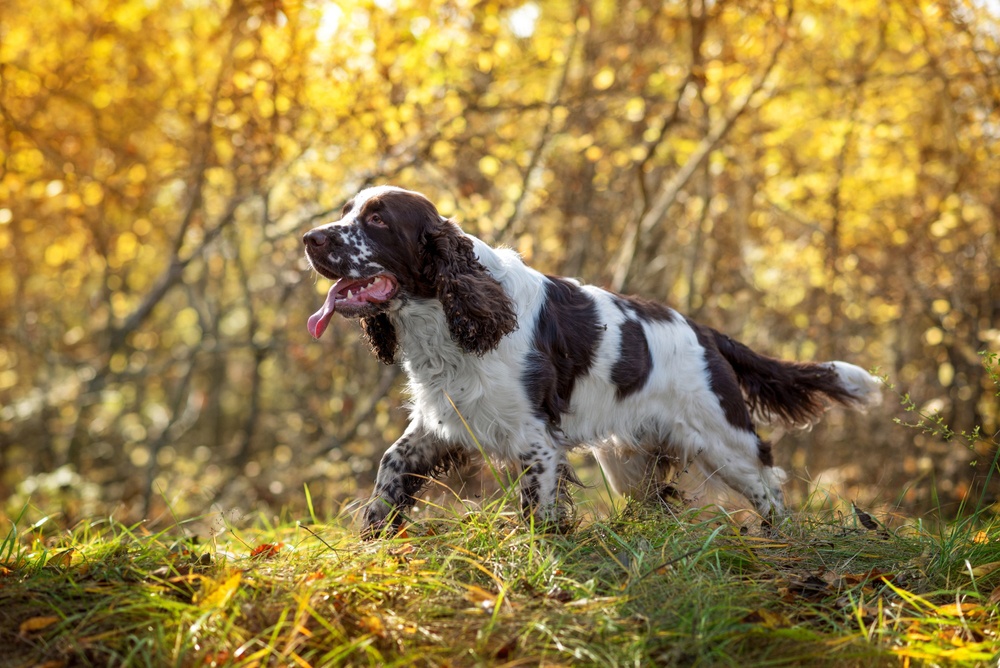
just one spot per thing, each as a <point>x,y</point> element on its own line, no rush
<point>480,388</point>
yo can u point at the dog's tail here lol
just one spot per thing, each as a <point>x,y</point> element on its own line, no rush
<point>796,394</point>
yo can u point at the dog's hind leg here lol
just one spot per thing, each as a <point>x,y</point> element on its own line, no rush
<point>632,472</point>
<point>743,473</point>
<point>645,474</point>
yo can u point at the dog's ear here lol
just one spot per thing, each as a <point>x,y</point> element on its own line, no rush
<point>380,333</point>
<point>478,310</point>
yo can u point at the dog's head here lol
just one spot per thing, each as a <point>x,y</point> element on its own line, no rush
<point>391,245</point>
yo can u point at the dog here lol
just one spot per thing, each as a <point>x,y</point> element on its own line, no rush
<point>525,367</point>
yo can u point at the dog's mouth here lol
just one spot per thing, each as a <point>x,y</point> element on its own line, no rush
<point>352,297</point>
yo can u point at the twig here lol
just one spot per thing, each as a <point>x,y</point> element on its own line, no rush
<point>512,227</point>
<point>360,417</point>
<point>635,234</point>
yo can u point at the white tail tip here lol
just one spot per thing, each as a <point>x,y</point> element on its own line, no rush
<point>864,387</point>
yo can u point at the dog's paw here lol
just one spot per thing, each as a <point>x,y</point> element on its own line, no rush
<point>559,519</point>
<point>380,520</point>
<point>770,523</point>
<point>376,531</point>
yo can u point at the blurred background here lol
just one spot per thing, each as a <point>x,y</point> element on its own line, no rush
<point>819,179</point>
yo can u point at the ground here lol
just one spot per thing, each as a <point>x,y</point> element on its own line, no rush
<point>640,586</point>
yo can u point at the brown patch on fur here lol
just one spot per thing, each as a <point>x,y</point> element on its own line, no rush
<point>634,364</point>
<point>725,381</point>
<point>430,258</point>
<point>566,339</point>
<point>478,310</point>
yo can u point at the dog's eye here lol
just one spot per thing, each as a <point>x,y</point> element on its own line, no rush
<point>376,219</point>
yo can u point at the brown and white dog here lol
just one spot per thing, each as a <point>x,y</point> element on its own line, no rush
<point>537,365</point>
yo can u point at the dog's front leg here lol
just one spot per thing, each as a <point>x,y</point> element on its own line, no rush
<point>408,464</point>
<point>544,486</point>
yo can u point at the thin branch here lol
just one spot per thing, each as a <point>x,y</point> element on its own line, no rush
<point>513,226</point>
<point>170,276</point>
<point>668,193</point>
<point>180,422</point>
<point>260,353</point>
<point>652,145</point>
<point>361,416</point>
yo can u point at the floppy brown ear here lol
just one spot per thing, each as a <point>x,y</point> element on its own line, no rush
<point>478,309</point>
<point>380,333</point>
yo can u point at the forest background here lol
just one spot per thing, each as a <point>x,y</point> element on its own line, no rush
<point>817,178</point>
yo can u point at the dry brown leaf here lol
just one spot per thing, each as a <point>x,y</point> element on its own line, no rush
<point>985,569</point>
<point>480,596</point>
<point>768,618</point>
<point>62,559</point>
<point>36,624</point>
<point>405,548</point>
<point>865,519</point>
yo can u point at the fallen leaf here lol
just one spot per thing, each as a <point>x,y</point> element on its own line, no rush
<point>216,594</point>
<point>480,596</point>
<point>768,618</point>
<point>985,569</point>
<point>981,538</point>
<point>61,560</point>
<point>404,549</point>
<point>960,609</point>
<point>865,519</point>
<point>373,624</point>
<point>266,550</point>
<point>36,624</point>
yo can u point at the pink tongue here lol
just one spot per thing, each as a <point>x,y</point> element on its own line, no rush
<point>321,318</point>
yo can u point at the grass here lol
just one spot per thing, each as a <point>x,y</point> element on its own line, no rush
<point>637,586</point>
<point>633,585</point>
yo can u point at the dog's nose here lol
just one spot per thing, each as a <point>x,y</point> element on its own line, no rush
<point>315,239</point>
